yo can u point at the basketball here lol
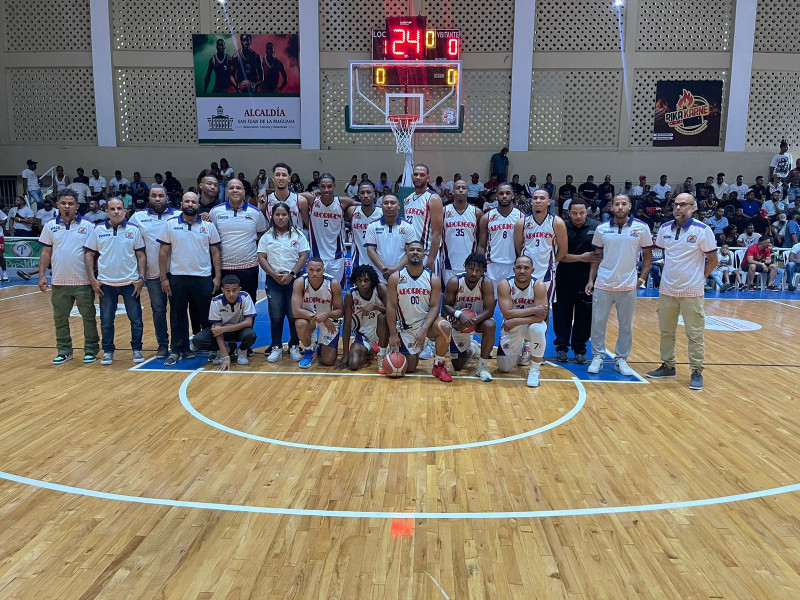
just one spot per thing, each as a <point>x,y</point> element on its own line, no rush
<point>469,313</point>
<point>394,365</point>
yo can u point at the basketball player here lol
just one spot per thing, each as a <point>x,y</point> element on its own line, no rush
<point>273,71</point>
<point>524,305</point>
<point>324,212</point>
<point>474,291</point>
<point>460,231</point>
<point>360,216</point>
<point>365,315</point>
<point>423,209</point>
<point>247,72</point>
<point>220,66</point>
<point>496,235</point>
<point>543,237</point>
<point>317,307</point>
<point>281,175</point>
<point>613,280</point>
<point>412,312</point>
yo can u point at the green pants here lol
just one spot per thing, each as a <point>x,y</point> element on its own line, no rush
<point>63,297</point>
<point>694,321</point>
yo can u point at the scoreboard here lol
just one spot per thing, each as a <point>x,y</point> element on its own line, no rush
<point>408,38</point>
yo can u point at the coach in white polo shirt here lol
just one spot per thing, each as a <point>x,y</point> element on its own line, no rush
<point>387,237</point>
<point>690,254</point>
<point>116,248</point>
<point>62,241</point>
<point>240,225</point>
<point>614,280</point>
<point>151,223</point>
<point>189,247</point>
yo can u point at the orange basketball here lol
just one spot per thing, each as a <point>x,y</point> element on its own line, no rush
<point>394,364</point>
<point>469,313</point>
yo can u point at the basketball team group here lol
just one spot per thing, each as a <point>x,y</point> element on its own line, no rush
<point>426,277</point>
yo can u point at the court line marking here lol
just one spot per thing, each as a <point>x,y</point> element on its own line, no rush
<point>784,304</point>
<point>185,402</point>
<point>306,512</point>
<point>21,295</point>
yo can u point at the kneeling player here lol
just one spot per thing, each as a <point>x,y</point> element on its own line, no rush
<point>523,302</point>
<point>365,315</point>
<point>412,312</point>
<point>317,307</point>
<point>474,291</point>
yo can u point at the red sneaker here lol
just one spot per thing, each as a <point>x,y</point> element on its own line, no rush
<point>441,372</point>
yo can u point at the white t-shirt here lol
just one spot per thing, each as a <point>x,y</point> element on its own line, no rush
<point>796,251</point>
<point>24,213</point>
<point>117,183</point>
<point>746,241</point>
<point>685,250</point>
<point>283,251</point>
<point>389,241</point>
<point>33,179</point>
<point>81,189</point>
<point>98,185</point>
<point>46,215</point>
<point>227,173</point>
<point>189,246</point>
<point>721,189</point>
<point>116,247</point>
<point>351,190</point>
<point>741,190</point>
<point>781,163</point>
<point>661,190</point>
<point>621,246</point>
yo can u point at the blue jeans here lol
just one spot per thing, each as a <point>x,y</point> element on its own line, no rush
<point>280,308</point>
<point>792,269</point>
<point>108,309</point>
<point>223,185</point>
<point>793,194</point>
<point>158,302</point>
<point>38,196</point>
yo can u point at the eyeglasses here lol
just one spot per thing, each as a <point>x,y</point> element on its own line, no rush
<point>683,204</point>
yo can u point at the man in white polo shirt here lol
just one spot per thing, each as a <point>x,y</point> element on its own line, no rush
<point>690,254</point>
<point>189,247</point>
<point>116,248</point>
<point>240,225</point>
<point>386,239</point>
<point>62,241</point>
<point>614,280</point>
<point>151,223</point>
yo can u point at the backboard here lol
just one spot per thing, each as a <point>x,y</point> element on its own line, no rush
<point>429,88</point>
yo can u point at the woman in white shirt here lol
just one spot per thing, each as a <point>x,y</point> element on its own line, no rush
<point>225,175</point>
<point>352,188</point>
<point>282,253</point>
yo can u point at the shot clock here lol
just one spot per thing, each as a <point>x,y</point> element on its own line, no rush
<point>408,38</point>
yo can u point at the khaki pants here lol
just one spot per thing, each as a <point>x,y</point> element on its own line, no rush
<point>694,321</point>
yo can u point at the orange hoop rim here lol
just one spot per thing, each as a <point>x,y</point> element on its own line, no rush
<point>403,120</point>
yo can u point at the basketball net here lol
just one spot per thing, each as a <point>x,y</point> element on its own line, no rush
<point>403,127</point>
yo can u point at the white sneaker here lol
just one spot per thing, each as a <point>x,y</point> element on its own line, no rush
<point>483,375</point>
<point>427,352</point>
<point>275,355</point>
<point>191,344</point>
<point>533,376</point>
<point>138,357</point>
<point>622,366</point>
<point>597,364</point>
<point>215,358</point>
<point>108,358</point>
<point>241,357</point>
<point>295,354</point>
<point>474,350</point>
<point>524,358</point>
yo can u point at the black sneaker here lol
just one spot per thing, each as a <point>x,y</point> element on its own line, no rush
<point>696,382</point>
<point>23,274</point>
<point>580,359</point>
<point>163,351</point>
<point>62,358</point>
<point>89,357</point>
<point>172,360</point>
<point>662,372</point>
<point>773,288</point>
<point>188,355</point>
<point>561,356</point>
<point>725,287</point>
<point>791,288</point>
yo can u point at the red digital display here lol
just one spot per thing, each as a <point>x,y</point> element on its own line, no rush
<point>405,37</point>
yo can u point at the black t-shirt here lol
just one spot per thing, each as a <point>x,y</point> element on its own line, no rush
<point>704,192</point>
<point>760,225</point>
<point>589,190</point>
<point>81,179</point>
<point>568,191</point>
<point>204,208</point>
<point>248,188</point>
<point>140,203</point>
<point>740,222</point>
<point>605,188</point>
<point>173,186</point>
<point>518,188</point>
<point>760,191</point>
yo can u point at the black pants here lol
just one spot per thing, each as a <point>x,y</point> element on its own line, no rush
<point>572,314</point>
<point>205,340</point>
<point>248,279</point>
<point>188,291</point>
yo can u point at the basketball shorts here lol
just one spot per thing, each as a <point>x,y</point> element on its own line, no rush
<point>324,337</point>
<point>447,275</point>
<point>510,346</point>
<point>460,344</point>
<point>366,336</point>
<point>336,269</point>
<point>407,339</point>
<point>497,272</point>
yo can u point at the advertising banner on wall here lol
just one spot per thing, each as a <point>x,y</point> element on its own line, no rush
<point>247,88</point>
<point>687,113</point>
<point>22,253</point>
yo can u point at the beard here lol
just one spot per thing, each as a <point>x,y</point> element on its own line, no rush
<point>414,260</point>
<point>191,211</point>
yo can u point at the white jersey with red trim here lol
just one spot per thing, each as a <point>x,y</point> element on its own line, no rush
<point>500,239</point>
<point>521,297</point>
<point>318,299</point>
<point>292,201</point>
<point>539,242</point>
<point>365,315</point>
<point>326,225</point>
<point>467,297</point>
<point>417,211</point>
<point>359,223</point>
<point>460,236</point>
<point>413,298</point>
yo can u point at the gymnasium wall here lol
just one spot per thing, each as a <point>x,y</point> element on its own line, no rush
<point>580,118</point>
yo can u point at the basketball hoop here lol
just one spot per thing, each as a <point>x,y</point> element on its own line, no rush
<point>403,127</point>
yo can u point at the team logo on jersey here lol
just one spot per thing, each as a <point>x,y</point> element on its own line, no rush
<point>294,243</point>
<point>129,235</point>
<point>635,232</point>
<point>82,230</point>
<point>691,239</point>
<point>203,230</point>
<point>403,279</point>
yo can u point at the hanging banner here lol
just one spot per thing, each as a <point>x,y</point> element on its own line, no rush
<point>687,113</point>
<point>247,88</point>
<point>22,252</point>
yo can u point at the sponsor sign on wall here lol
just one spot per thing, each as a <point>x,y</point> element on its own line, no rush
<point>687,113</point>
<point>247,88</point>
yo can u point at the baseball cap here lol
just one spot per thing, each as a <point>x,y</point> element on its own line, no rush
<point>628,181</point>
<point>642,176</point>
<point>31,162</point>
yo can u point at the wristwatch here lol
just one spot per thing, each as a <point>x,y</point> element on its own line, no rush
<point>293,274</point>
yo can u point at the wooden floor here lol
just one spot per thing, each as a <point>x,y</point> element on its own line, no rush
<point>114,431</point>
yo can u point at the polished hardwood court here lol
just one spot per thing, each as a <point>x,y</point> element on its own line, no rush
<point>199,510</point>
